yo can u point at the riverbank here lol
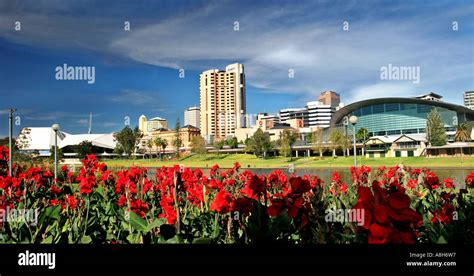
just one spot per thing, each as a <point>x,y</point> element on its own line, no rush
<point>251,161</point>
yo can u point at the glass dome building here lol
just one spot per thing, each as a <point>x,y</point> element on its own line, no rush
<point>396,116</point>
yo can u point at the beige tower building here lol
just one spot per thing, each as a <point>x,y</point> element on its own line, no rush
<point>147,126</point>
<point>330,98</point>
<point>222,101</point>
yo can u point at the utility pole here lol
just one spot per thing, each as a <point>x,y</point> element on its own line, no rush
<point>10,134</point>
<point>90,123</point>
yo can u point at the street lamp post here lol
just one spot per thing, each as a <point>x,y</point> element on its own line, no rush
<point>353,120</point>
<point>10,134</point>
<point>55,127</point>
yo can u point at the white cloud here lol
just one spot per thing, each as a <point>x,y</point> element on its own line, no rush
<point>273,39</point>
<point>135,97</point>
<point>381,90</point>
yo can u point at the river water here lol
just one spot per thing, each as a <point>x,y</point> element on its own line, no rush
<point>457,174</point>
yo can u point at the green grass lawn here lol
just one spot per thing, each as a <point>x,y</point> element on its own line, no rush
<point>246,160</point>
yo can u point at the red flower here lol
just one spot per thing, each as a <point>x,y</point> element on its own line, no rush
<point>412,183</point>
<point>431,180</point>
<point>445,214</point>
<point>222,203</point>
<point>71,202</point>
<point>55,190</point>
<point>243,206</point>
<point>122,200</point>
<point>381,215</point>
<point>379,234</point>
<point>256,185</point>
<point>399,200</point>
<point>299,185</point>
<point>470,180</point>
<point>139,207</point>
<point>53,202</point>
<point>276,208</point>
<point>449,183</point>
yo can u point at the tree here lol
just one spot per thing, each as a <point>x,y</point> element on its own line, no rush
<point>198,145</point>
<point>127,140</point>
<point>463,133</point>
<point>150,144</point>
<point>317,141</point>
<point>163,143</point>
<point>287,139</point>
<point>362,134</point>
<point>219,144</point>
<point>158,143</point>
<point>336,137</point>
<point>177,142</point>
<point>435,131</point>
<point>232,142</point>
<point>260,143</point>
<point>60,154</point>
<point>24,139</point>
<point>84,148</point>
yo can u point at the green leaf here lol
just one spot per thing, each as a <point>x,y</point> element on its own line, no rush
<point>156,223</point>
<point>52,212</point>
<point>48,240</point>
<point>280,224</point>
<point>86,239</point>
<point>138,223</point>
<point>202,241</point>
<point>441,240</point>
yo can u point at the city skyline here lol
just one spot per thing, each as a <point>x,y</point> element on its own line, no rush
<point>290,56</point>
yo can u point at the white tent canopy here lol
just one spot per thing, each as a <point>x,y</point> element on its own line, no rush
<point>42,138</point>
<point>98,140</point>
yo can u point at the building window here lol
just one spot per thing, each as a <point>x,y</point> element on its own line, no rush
<point>392,107</point>
<point>366,110</point>
<point>393,132</point>
<point>410,131</point>
<point>379,108</point>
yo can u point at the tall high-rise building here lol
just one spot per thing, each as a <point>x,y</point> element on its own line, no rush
<point>330,98</point>
<point>469,99</point>
<point>222,101</point>
<point>191,117</point>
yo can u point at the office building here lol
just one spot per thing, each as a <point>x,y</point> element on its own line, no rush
<point>396,116</point>
<point>469,99</point>
<point>294,113</point>
<point>330,98</point>
<point>222,101</point>
<point>319,114</point>
<point>192,117</point>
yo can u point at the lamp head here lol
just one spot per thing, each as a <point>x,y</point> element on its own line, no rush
<point>55,127</point>
<point>353,119</point>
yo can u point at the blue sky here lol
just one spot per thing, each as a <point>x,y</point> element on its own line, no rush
<point>137,70</point>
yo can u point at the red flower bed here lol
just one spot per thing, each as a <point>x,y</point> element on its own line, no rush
<point>396,205</point>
